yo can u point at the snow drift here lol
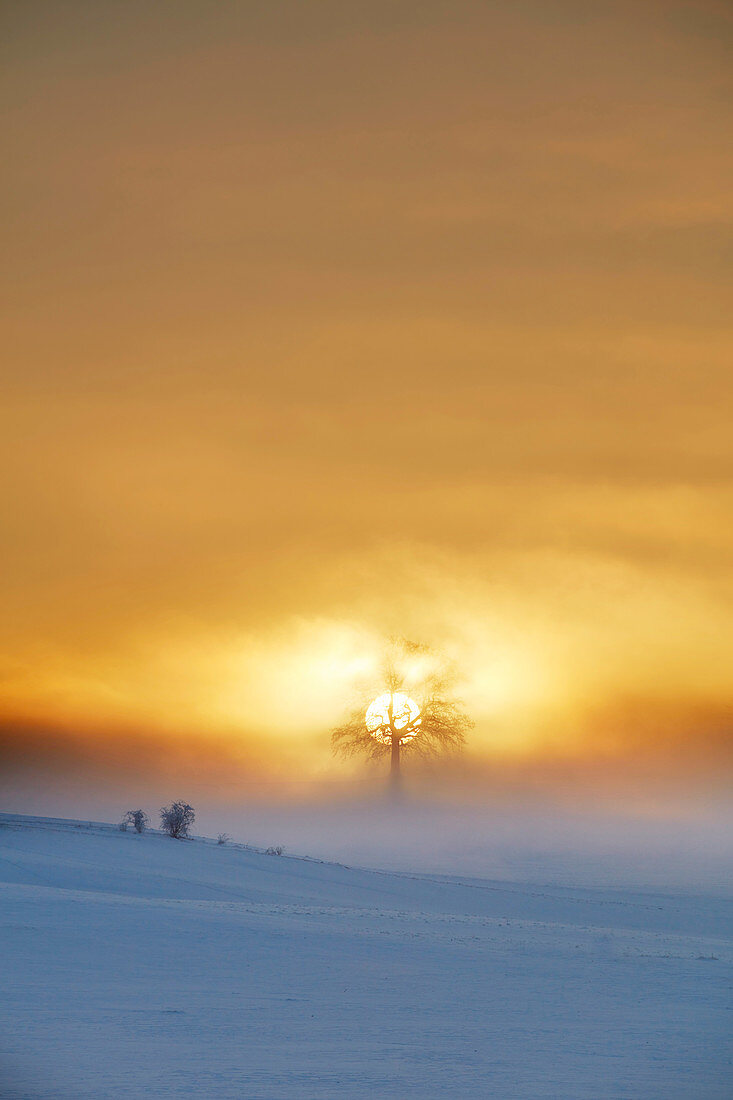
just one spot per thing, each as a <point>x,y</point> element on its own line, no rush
<point>142,966</point>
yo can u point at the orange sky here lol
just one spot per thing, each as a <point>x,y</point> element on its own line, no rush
<point>335,320</point>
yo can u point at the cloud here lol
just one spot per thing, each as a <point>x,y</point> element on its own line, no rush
<point>331,324</point>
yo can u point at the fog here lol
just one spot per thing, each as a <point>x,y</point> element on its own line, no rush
<point>518,843</point>
<point>527,840</point>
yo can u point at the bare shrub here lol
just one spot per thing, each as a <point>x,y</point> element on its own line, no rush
<point>223,838</point>
<point>177,819</point>
<point>137,818</point>
<point>276,850</point>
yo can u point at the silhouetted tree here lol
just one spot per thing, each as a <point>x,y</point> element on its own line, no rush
<point>138,819</point>
<point>411,709</point>
<point>177,819</point>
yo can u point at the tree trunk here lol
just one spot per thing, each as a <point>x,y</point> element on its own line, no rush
<point>395,776</point>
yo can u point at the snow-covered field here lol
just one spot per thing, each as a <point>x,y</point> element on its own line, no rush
<point>138,966</point>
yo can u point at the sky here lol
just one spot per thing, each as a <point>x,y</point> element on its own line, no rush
<point>331,322</point>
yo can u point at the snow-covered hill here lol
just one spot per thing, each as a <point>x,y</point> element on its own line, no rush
<point>138,966</point>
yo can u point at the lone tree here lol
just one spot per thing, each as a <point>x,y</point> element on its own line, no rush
<point>138,819</point>
<point>414,711</point>
<point>177,819</point>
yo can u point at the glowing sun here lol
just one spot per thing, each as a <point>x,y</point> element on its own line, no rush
<point>393,711</point>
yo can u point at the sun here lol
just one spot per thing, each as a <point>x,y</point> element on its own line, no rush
<point>403,712</point>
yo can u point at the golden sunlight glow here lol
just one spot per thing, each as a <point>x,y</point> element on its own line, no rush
<point>376,341</point>
<point>393,709</point>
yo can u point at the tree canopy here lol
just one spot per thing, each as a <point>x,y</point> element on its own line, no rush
<point>436,724</point>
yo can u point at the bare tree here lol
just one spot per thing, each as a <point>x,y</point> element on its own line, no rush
<point>410,710</point>
<point>276,850</point>
<point>138,819</point>
<point>223,838</point>
<point>177,819</point>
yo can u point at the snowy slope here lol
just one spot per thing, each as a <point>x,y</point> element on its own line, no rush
<point>141,966</point>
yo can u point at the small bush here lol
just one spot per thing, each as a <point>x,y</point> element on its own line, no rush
<point>276,850</point>
<point>223,838</point>
<point>177,819</point>
<point>137,818</point>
